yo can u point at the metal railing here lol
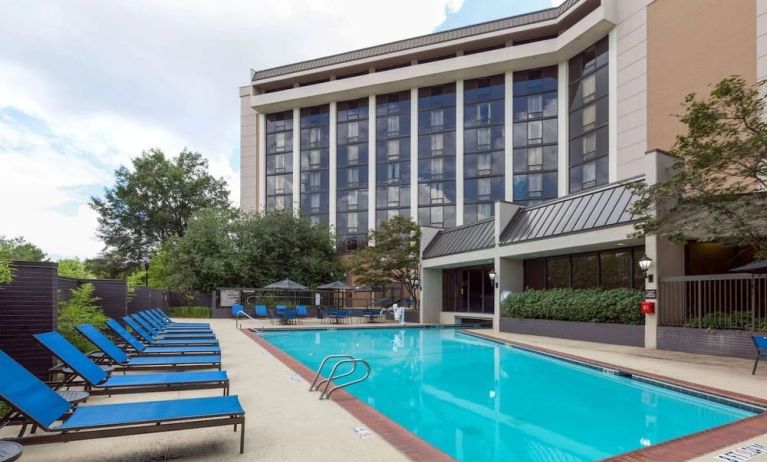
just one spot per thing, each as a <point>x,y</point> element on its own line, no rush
<point>720,301</point>
<point>344,359</point>
<point>237,318</point>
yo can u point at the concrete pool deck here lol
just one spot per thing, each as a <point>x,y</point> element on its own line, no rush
<point>287,423</point>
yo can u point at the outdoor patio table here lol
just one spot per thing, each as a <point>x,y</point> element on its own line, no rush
<point>10,451</point>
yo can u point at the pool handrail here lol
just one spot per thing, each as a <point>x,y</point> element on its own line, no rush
<point>322,365</point>
<point>326,394</point>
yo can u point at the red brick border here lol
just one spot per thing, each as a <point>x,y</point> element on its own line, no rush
<point>685,447</point>
<point>393,433</point>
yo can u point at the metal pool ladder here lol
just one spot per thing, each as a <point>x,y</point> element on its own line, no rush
<point>344,359</point>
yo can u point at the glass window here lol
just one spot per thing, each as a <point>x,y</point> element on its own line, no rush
<point>352,224</point>
<point>589,117</point>
<point>437,143</point>
<point>437,176</point>
<point>437,193</point>
<point>483,112</point>
<point>392,125</point>
<point>534,158</point>
<point>279,141</point>
<point>352,131</point>
<point>558,272</point>
<point>437,167</point>
<point>353,199</point>
<point>392,148</point>
<point>585,270</point>
<point>484,163</point>
<point>392,196</point>
<point>392,167</point>
<point>437,216</point>
<point>484,188</point>
<point>534,132</point>
<point>589,143</point>
<point>353,154</point>
<point>483,138</point>
<point>615,269</point>
<point>534,106</point>
<point>392,172</point>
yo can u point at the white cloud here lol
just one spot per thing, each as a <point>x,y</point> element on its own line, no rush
<point>85,85</point>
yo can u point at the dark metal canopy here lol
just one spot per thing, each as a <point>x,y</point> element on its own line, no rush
<point>753,267</point>
<point>336,285</point>
<point>286,284</point>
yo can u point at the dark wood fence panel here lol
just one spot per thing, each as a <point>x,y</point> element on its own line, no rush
<point>27,307</point>
<point>113,296</point>
<point>144,297</point>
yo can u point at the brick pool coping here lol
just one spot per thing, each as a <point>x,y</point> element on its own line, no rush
<point>679,449</point>
<point>393,433</point>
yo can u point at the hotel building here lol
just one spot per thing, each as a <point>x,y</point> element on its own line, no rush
<point>511,142</point>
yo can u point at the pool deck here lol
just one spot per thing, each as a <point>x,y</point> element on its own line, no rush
<point>287,423</point>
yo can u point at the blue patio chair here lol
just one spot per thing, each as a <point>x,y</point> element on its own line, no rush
<point>163,318</point>
<point>237,308</point>
<point>302,312</point>
<point>157,334</point>
<point>166,329</point>
<point>291,316</point>
<point>45,408</point>
<point>142,349</point>
<point>342,315</point>
<point>330,315</point>
<point>122,361</point>
<point>262,312</point>
<point>162,341</point>
<point>760,342</point>
<point>99,381</point>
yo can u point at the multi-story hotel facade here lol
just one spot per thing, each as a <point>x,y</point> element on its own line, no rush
<point>510,142</point>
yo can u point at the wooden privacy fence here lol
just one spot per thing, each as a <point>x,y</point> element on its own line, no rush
<point>720,301</point>
<point>29,305</point>
<point>146,297</point>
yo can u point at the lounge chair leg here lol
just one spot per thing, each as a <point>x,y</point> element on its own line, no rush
<point>242,436</point>
<point>756,363</point>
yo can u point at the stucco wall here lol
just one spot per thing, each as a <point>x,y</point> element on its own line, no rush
<point>692,44</point>
<point>248,152</point>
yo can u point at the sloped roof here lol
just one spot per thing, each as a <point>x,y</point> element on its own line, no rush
<point>608,206</point>
<point>475,236</point>
<point>424,40</point>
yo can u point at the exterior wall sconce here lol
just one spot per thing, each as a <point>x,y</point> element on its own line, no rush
<point>644,264</point>
<point>416,284</point>
<point>492,275</point>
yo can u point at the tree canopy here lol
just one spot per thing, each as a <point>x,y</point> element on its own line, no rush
<point>223,248</point>
<point>717,188</point>
<point>394,257</point>
<point>74,268</point>
<point>153,201</point>
<point>18,248</point>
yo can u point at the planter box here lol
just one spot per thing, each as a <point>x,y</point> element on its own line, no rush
<point>616,334</point>
<point>716,342</point>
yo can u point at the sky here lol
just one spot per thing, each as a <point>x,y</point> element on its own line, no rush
<point>86,85</point>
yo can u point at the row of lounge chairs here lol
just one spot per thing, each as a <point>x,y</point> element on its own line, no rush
<point>162,345</point>
<point>285,315</point>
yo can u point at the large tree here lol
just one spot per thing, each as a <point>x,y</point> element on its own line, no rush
<point>717,189</point>
<point>18,248</point>
<point>222,249</point>
<point>153,201</point>
<point>74,268</point>
<point>394,257</point>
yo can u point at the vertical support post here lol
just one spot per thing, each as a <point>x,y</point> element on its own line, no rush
<point>563,141</point>
<point>371,162</point>
<point>459,152</point>
<point>333,165</point>
<point>261,161</point>
<point>296,161</point>
<point>508,137</point>
<point>414,154</point>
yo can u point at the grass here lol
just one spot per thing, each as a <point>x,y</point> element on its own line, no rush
<point>189,312</point>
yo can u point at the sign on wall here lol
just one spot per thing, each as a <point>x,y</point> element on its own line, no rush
<point>229,297</point>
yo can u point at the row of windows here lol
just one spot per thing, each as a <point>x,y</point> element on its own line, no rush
<point>534,138</point>
<point>607,269</point>
<point>352,175</point>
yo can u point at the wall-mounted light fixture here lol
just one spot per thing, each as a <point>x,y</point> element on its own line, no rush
<point>416,283</point>
<point>644,264</point>
<point>492,276</point>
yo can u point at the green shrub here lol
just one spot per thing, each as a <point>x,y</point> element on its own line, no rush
<point>6,272</point>
<point>735,320</point>
<point>189,312</point>
<point>620,306</point>
<point>80,308</point>
<point>4,409</point>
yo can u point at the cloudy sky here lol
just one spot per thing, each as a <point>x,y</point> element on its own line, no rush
<point>87,84</point>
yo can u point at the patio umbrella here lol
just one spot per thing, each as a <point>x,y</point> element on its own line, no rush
<point>337,285</point>
<point>755,267</point>
<point>286,284</point>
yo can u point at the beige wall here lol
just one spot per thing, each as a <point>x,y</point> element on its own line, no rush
<point>248,152</point>
<point>692,44</point>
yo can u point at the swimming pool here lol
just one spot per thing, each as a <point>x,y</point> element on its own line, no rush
<point>479,400</point>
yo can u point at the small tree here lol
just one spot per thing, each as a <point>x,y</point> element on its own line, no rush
<point>18,248</point>
<point>394,257</point>
<point>74,268</point>
<point>717,188</point>
<point>80,308</point>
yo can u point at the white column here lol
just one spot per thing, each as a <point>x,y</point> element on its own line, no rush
<point>371,162</point>
<point>332,166</point>
<point>459,152</point>
<point>563,143</point>
<point>296,160</point>
<point>261,161</point>
<point>414,154</point>
<point>508,137</point>
<point>612,103</point>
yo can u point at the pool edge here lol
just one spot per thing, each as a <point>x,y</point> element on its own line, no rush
<point>679,449</point>
<point>402,439</point>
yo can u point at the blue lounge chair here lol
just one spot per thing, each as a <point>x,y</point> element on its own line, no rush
<point>142,349</point>
<point>262,312</point>
<point>164,319</point>
<point>302,312</point>
<point>172,329</point>
<point>98,381</point>
<point>760,342</point>
<point>63,422</point>
<point>157,334</point>
<point>150,340</point>
<point>123,361</point>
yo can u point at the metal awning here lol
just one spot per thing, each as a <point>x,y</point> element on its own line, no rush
<point>466,238</point>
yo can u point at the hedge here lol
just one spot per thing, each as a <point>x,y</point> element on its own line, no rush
<point>619,306</point>
<point>740,320</point>
<point>189,312</point>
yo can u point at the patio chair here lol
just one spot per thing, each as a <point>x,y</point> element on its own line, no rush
<point>170,328</point>
<point>164,319</point>
<point>302,313</point>
<point>760,342</point>
<point>157,334</point>
<point>262,312</point>
<point>150,340</point>
<point>122,361</point>
<point>141,349</point>
<point>31,397</point>
<point>342,315</point>
<point>291,316</point>
<point>331,314</point>
<point>99,381</point>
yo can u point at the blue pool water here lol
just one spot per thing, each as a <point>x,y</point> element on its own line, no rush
<point>479,400</point>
